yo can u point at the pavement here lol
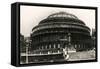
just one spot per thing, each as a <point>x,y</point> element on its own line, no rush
<point>84,55</point>
<point>75,56</point>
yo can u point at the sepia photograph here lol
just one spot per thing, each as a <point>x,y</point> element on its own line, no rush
<point>57,34</point>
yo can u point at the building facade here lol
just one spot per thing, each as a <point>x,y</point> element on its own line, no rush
<point>57,35</point>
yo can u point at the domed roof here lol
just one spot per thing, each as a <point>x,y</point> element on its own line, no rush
<point>62,14</point>
<point>61,20</point>
<point>62,17</point>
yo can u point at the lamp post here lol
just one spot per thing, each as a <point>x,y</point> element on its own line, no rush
<point>69,39</point>
<point>27,49</point>
<point>26,53</point>
<point>67,42</point>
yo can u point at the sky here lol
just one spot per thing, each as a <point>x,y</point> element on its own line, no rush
<point>30,16</point>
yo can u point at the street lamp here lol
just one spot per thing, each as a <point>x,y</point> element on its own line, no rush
<point>67,42</point>
<point>27,52</point>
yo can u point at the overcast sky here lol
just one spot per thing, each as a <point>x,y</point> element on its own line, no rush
<point>32,15</point>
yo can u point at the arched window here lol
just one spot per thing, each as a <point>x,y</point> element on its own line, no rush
<point>49,45</point>
<point>46,47</point>
<point>54,46</point>
<point>42,47</point>
<point>58,45</point>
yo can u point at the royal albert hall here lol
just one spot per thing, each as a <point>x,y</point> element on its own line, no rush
<point>58,33</point>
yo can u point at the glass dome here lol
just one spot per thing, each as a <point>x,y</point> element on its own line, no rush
<point>62,14</point>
